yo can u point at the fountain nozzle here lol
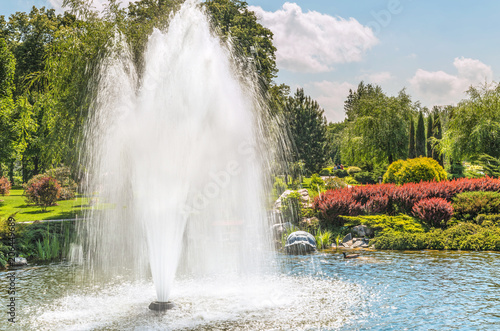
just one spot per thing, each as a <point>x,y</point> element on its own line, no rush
<point>161,306</point>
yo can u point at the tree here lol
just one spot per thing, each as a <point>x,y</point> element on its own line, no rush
<point>474,125</point>
<point>307,130</point>
<point>252,39</point>
<point>438,135</point>
<point>7,70</point>
<point>430,134</point>
<point>376,126</point>
<point>420,136</point>
<point>412,153</point>
<point>334,141</point>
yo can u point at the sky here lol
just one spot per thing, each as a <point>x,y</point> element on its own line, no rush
<point>434,49</point>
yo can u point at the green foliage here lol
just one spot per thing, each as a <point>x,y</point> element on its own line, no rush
<point>7,70</point>
<point>455,170</point>
<point>376,126</point>
<point>412,152</point>
<point>334,183</point>
<point>430,134</point>
<point>317,183</point>
<point>365,177</point>
<point>474,125</point>
<point>414,171</point>
<point>350,181</point>
<point>307,125</point>
<point>463,236</point>
<point>490,165</point>
<point>291,208</point>
<point>341,173</point>
<point>420,136</point>
<point>488,220</point>
<point>279,186</point>
<point>254,40</point>
<point>383,224</point>
<point>334,141</point>
<point>323,239</point>
<point>468,205</point>
<point>353,170</point>
<point>326,171</point>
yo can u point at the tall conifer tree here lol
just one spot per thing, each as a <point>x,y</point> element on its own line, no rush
<point>411,148</point>
<point>430,133</point>
<point>420,136</point>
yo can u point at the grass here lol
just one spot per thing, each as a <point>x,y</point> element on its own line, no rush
<point>15,204</point>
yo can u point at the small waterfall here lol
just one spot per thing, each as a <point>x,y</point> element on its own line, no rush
<point>178,159</point>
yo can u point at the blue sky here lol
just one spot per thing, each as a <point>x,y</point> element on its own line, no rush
<point>436,49</point>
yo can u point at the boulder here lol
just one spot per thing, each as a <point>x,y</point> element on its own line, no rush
<point>347,238</point>
<point>18,261</point>
<point>300,242</point>
<point>362,231</point>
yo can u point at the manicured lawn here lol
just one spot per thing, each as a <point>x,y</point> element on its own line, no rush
<point>14,203</point>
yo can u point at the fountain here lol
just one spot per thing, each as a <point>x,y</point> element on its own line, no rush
<point>178,155</point>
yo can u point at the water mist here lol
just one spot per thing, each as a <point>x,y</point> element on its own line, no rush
<point>177,155</point>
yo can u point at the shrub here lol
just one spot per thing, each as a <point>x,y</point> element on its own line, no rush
<point>42,191</point>
<point>316,182</point>
<point>415,171</point>
<point>63,177</point>
<point>291,207</point>
<point>353,170</point>
<point>488,220</point>
<point>465,236</point>
<point>326,172</point>
<point>435,212</point>
<point>468,205</point>
<point>335,203</point>
<point>384,223</point>
<point>390,174</point>
<point>4,186</point>
<point>341,173</point>
<point>334,183</point>
<point>350,181</point>
<point>364,177</point>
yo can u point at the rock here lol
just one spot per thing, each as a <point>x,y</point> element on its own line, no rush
<point>357,244</point>
<point>300,242</point>
<point>362,231</point>
<point>347,238</point>
<point>18,261</point>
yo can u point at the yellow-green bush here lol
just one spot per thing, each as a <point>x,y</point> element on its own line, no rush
<point>414,171</point>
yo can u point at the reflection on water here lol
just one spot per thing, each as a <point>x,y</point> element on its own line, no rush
<point>379,291</point>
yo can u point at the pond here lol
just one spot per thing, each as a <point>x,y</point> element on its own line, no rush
<point>381,290</point>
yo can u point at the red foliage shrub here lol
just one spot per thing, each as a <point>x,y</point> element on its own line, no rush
<point>42,191</point>
<point>435,212</point>
<point>4,186</point>
<point>390,199</point>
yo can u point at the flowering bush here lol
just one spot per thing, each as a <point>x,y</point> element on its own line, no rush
<point>42,191</point>
<point>4,186</point>
<point>435,212</point>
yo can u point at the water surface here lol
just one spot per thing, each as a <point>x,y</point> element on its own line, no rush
<point>381,290</point>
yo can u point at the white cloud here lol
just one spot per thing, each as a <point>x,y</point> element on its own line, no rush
<point>314,42</point>
<point>377,77</point>
<point>439,87</point>
<point>331,97</point>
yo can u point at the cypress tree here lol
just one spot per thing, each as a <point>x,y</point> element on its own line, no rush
<point>438,134</point>
<point>430,134</point>
<point>420,136</point>
<point>411,149</point>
